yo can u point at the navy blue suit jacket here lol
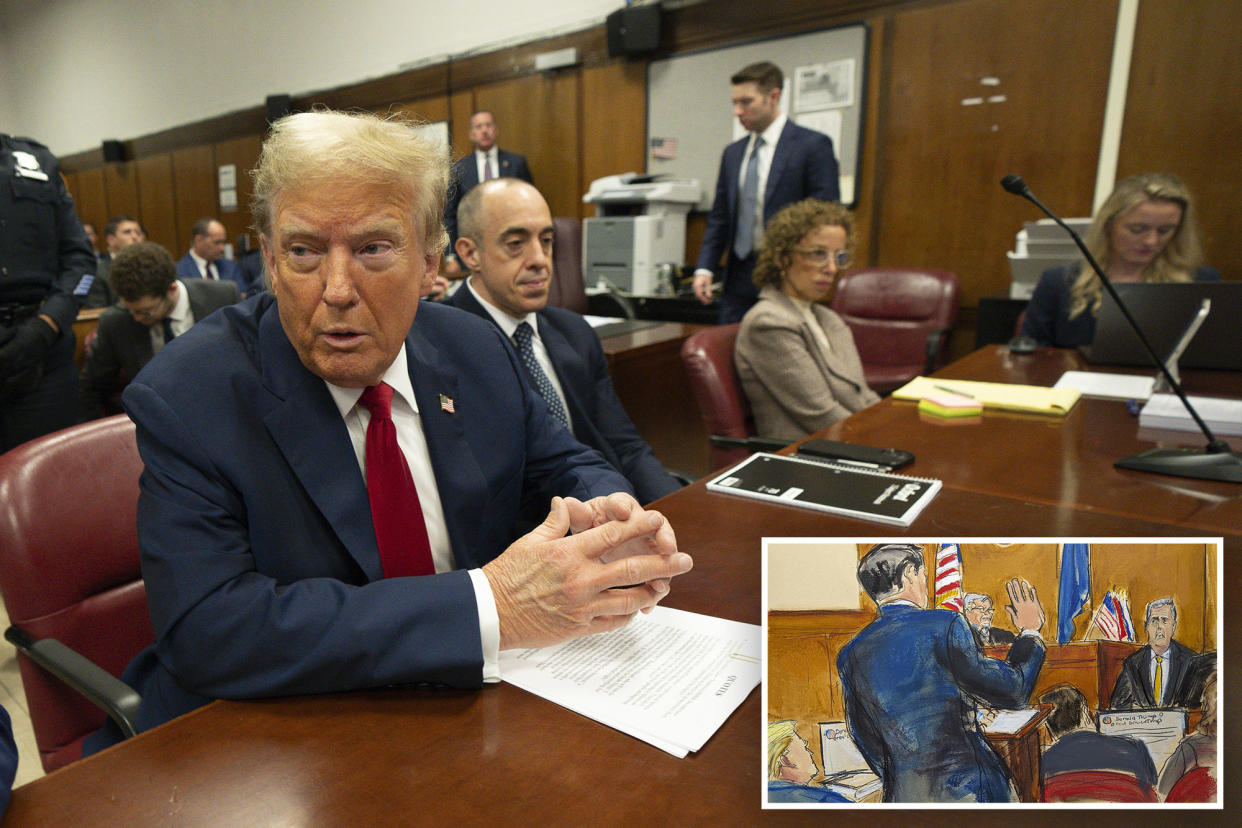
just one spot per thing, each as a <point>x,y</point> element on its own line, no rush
<point>1047,314</point>
<point>599,418</point>
<point>262,572</point>
<point>466,177</point>
<point>908,679</point>
<point>803,166</point>
<point>225,269</point>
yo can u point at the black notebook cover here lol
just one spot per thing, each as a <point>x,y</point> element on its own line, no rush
<point>829,487</point>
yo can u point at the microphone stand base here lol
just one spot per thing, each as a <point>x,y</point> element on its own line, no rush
<point>1197,463</point>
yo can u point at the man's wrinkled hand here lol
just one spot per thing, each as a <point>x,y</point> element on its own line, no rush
<point>550,587</point>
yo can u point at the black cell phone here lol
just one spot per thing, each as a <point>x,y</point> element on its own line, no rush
<point>832,450</point>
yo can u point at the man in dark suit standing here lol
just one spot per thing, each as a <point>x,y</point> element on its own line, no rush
<point>506,245</point>
<point>330,485</point>
<point>911,679</point>
<point>776,164</point>
<point>486,162</point>
<point>205,258</point>
<point>1158,674</point>
<point>120,232</point>
<point>156,306</point>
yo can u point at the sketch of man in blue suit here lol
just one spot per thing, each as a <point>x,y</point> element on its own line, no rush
<point>911,679</point>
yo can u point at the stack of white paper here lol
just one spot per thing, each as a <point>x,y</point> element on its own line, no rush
<point>670,678</point>
<point>1223,417</point>
<point>1108,386</point>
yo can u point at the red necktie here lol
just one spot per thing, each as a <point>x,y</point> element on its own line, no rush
<point>399,527</point>
<point>207,274</point>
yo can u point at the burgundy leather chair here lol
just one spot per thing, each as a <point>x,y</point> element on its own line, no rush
<point>1096,786</point>
<point>708,357</point>
<point>1199,785</point>
<point>71,579</point>
<point>901,320</point>
<point>566,289</point>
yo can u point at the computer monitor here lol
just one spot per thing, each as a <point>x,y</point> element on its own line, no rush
<point>1163,310</point>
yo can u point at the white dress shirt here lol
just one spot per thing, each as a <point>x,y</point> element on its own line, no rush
<point>181,315</point>
<point>201,264</point>
<point>480,158</point>
<point>413,444</point>
<point>509,324</point>
<point>770,136</point>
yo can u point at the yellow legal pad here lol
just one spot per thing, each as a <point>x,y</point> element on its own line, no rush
<point>1033,399</point>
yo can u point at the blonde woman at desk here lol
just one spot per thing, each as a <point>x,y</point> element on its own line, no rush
<point>796,358</point>
<point>1144,232</point>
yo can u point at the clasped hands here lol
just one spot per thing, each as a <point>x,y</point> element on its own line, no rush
<point>550,587</point>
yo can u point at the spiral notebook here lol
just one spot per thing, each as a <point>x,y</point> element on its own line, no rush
<point>829,487</point>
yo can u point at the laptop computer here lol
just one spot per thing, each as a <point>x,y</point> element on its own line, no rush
<point>1163,310</point>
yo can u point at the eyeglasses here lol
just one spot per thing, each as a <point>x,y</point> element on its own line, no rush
<point>153,312</point>
<point>820,256</point>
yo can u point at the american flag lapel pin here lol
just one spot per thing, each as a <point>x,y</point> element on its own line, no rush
<point>446,404</point>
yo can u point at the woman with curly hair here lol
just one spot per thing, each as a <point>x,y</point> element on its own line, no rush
<point>797,360</point>
<point>1144,232</point>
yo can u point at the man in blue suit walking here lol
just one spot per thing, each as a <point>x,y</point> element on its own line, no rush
<point>911,679</point>
<point>776,164</point>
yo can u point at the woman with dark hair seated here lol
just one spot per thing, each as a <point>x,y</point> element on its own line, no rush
<point>796,358</point>
<point>1145,232</point>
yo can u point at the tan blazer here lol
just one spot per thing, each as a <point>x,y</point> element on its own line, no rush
<point>793,388</point>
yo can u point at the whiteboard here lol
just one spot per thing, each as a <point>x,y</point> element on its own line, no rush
<point>690,117</point>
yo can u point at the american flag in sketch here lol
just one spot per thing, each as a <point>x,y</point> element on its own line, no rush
<point>949,577</point>
<point>1113,619</point>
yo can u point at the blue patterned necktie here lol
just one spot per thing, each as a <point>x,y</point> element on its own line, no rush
<point>526,353</point>
<point>744,239</point>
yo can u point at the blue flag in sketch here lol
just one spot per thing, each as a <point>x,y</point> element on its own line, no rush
<point>1074,592</point>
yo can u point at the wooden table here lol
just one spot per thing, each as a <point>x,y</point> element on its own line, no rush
<point>1020,753</point>
<point>421,756</point>
<point>651,381</point>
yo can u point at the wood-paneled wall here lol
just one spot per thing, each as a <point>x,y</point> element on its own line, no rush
<point>928,192</point>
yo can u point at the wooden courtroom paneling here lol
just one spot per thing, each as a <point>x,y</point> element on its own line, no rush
<point>431,109</point>
<point>244,154</point>
<point>539,117</point>
<point>461,107</point>
<point>194,175</point>
<point>1184,113</point>
<point>121,188</point>
<point>87,188</point>
<point>614,123</point>
<point>940,201</point>
<point>156,194</point>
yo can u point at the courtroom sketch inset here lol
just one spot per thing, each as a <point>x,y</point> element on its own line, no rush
<point>967,671</point>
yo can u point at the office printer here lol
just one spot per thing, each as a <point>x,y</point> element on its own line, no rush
<point>637,241</point>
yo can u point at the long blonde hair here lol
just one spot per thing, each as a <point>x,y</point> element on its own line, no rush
<point>1176,263</point>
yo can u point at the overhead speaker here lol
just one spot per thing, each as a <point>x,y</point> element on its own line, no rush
<point>113,151</point>
<point>633,30</point>
<point>278,106</point>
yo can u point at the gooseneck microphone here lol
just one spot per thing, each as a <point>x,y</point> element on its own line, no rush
<point>1214,462</point>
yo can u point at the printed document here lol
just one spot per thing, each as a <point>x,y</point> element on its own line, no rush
<point>670,678</point>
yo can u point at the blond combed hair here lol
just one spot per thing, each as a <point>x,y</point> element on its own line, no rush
<point>780,734</point>
<point>324,145</point>
<point>1176,263</point>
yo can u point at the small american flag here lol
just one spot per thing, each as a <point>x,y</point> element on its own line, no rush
<point>446,404</point>
<point>949,577</point>
<point>664,148</point>
<point>1113,619</point>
